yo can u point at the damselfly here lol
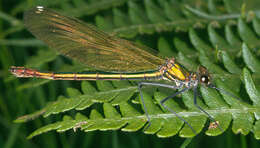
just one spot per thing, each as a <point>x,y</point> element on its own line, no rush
<point>124,60</point>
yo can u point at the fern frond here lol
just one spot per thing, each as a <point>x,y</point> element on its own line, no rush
<point>225,51</point>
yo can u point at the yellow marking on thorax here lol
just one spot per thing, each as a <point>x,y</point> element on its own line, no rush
<point>177,72</point>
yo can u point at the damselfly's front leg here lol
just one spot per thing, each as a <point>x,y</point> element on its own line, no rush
<point>202,110</point>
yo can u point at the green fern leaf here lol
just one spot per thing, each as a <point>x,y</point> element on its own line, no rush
<point>251,61</point>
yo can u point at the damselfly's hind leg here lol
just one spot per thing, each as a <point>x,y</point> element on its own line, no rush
<point>145,109</point>
<point>142,99</point>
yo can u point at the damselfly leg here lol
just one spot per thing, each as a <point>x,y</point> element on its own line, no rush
<point>142,99</point>
<point>162,102</point>
<point>202,110</point>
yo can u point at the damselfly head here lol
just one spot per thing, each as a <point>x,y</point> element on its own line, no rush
<point>204,76</point>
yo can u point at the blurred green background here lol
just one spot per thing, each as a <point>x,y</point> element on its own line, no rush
<point>21,96</point>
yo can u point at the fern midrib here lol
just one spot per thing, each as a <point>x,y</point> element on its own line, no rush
<point>154,25</point>
<point>183,114</point>
<point>212,17</point>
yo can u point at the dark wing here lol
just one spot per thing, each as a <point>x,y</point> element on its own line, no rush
<point>88,45</point>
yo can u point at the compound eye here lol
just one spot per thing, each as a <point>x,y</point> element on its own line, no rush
<point>204,79</point>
